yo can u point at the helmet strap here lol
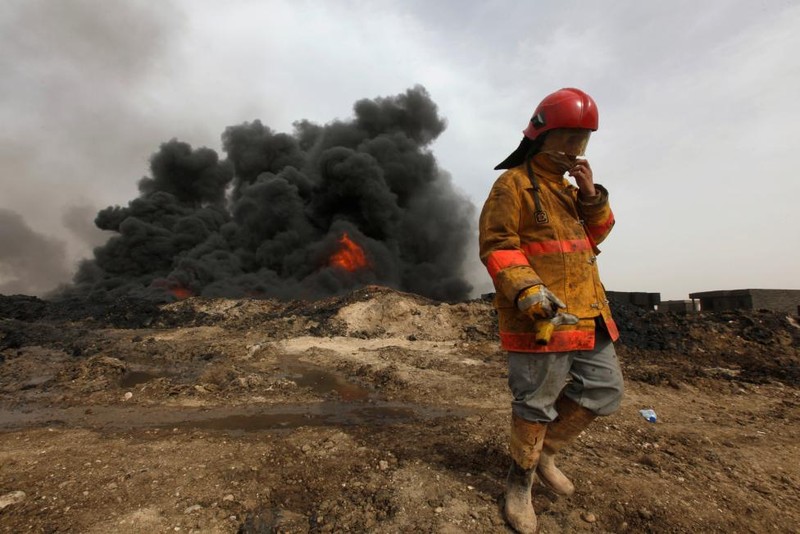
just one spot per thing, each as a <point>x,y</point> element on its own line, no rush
<point>540,216</point>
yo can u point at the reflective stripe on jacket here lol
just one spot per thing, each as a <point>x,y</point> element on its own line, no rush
<point>560,252</point>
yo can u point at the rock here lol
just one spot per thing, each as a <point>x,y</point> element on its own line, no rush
<point>439,510</point>
<point>644,513</point>
<point>192,509</point>
<point>589,517</point>
<point>384,465</point>
<point>229,498</point>
<point>12,498</point>
<point>128,396</point>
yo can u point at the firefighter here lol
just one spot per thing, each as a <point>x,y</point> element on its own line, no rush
<point>538,239</point>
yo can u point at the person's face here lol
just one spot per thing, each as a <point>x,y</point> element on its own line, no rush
<point>566,142</point>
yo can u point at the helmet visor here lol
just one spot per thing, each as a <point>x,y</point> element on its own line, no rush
<point>569,141</point>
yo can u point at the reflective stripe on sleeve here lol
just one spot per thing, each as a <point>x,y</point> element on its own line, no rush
<point>565,341</point>
<point>598,230</point>
<point>556,247</point>
<point>503,259</point>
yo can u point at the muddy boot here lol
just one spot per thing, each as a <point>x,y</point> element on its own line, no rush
<point>526,445</point>
<point>572,420</point>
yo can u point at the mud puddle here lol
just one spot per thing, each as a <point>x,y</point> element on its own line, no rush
<point>134,377</point>
<point>234,420</point>
<point>36,382</point>
<point>320,380</point>
<point>316,379</point>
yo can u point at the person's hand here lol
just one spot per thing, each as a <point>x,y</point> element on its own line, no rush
<point>538,302</point>
<point>582,172</point>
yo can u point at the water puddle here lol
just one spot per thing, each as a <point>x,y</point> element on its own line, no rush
<point>320,380</point>
<point>232,420</point>
<point>36,382</point>
<point>325,414</point>
<point>353,405</point>
<point>134,378</point>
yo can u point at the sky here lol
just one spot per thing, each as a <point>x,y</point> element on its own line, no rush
<point>698,113</point>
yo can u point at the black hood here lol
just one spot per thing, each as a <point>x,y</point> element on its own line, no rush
<point>525,149</point>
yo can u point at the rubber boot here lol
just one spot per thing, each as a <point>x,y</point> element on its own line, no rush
<point>571,421</point>
<point>526,446</point>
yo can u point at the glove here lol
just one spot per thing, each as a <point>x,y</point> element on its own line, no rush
<point>544,327</point>
<point>538,302</point>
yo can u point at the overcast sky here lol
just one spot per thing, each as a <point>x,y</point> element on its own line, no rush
<point>698,112</point>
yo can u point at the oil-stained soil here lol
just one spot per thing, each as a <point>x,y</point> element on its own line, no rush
<point>375,412</point>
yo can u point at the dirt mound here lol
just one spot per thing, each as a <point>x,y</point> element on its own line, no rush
<point>370,312</point>
<point>124,312</point>
<point>649,329</point>
<point>752,346</point>
<point>391,314</point>
<point>375,411</point>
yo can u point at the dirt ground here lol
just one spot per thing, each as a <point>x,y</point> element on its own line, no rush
<point>375,412</point>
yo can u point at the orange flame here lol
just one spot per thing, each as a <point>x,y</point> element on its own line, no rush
<point>350,256</point>
<point>181,293</point>
<point>172,287</point>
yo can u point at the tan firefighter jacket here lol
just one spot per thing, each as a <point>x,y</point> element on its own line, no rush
<point>559,250</point>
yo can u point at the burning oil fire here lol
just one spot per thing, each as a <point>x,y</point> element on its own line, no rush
<point>181,293</point>
<point>176,290</point>
<point>262,219</point>
<point>350,256</point>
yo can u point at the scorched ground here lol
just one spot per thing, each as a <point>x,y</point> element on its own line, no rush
<point>375,412</point>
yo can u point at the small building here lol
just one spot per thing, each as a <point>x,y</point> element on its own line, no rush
<point>648,301</point>
<point>783,300</point>
<point>679,306</point>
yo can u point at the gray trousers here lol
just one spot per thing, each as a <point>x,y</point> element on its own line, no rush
<point>592,379</point>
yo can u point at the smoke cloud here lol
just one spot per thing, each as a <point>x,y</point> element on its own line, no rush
<point>30,263</point>
<point>78,219</point>
<point>266,220</point>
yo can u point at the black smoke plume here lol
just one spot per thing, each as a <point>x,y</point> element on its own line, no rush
<point>266,220</point>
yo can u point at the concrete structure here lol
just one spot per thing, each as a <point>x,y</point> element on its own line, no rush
<point>784,300</point>
<point>648,301</point>
<point>679,306</point>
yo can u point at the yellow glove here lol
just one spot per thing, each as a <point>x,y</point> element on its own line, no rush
<point>538,302</point>
<point>544,328</point>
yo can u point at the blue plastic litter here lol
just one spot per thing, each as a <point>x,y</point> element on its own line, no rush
<point>650,415</point>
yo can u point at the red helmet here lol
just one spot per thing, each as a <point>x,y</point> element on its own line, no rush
<point>566,108</point>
